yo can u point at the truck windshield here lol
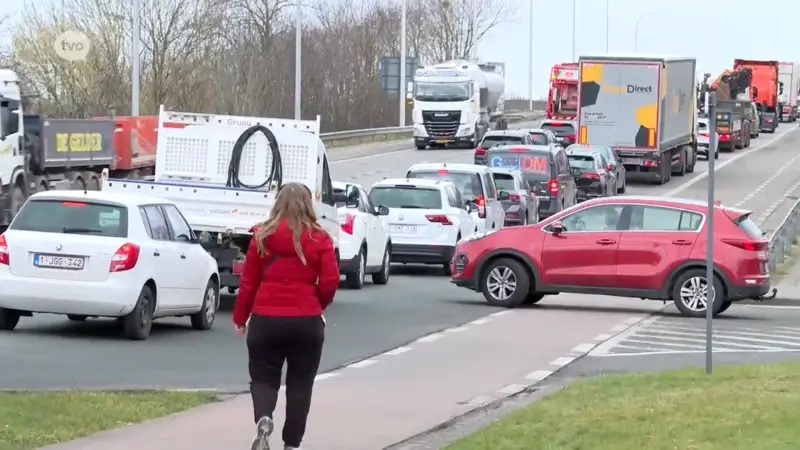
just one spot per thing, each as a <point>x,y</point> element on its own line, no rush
<point>565,98</point>
<point>441,91</point>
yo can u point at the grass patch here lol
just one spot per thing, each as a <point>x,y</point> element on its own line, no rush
<point>737,408</point>
<point>29,420</point>
<point>783,269</point>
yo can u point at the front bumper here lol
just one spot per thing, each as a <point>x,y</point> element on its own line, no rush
<point>422,254</point>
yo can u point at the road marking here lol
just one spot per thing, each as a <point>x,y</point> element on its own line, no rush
<point>325,376</point>
<point>501,313</point>
<point>602,337</point>
<point>620,327</point>
<point>511,389</point>
<point>632,320</point>
<point>457,329</point>
<point>583,348</point>
<point>398,351</point>
<point>769,306</point>
<point>363,363</point>
<point>481,321</point>
<point>722,164</point>
<point>539,375</point>
<point>777,203</point>
<point>563,361</point>
<point>431,337</point>
<point>766,183</point>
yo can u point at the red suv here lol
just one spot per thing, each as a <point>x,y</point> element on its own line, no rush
<point>646,247</point>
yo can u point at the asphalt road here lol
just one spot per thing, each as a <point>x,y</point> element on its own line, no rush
<point>50,352</point>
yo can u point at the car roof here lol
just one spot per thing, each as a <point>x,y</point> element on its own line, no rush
<point>129,200</point>
<point>505,133</point>
<point>419,182</point>
<point>535,130</point>
<point>452,167</point>
<point>586,147</point>
<point>700,206</point>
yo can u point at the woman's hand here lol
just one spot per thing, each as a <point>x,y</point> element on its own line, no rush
<point>240,330</point>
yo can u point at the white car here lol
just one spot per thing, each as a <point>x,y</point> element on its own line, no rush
<point>704,138</point>
<point>426,219</point>
<point>476,185</point>
<point>96,254</point>
<point>364,241</point>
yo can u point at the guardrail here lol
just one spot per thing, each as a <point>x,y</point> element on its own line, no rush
<point>355,137</point>
<point>782,240</point>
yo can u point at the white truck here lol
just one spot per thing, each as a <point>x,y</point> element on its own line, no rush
<point>789,79</point>
<point>194,165</point>
<point>457,102</point>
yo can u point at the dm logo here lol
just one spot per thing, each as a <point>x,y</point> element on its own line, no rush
<point>72,45</point>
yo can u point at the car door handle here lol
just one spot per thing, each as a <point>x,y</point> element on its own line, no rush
<point>183,256</point>
<point>606,241</point>
<point>156,253</point>
<point>681,242</point>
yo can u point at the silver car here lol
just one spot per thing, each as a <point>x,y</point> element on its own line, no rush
<point>522,204</point>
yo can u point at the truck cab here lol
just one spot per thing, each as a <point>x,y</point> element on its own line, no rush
<point>12,158</point>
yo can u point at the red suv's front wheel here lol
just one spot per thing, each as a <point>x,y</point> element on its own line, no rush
<point>505,282</point>
<point>690,294</point>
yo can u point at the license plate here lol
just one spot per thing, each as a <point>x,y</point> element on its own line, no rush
<point>238,267</point>
<point>560,139</point>
<point>442,141</point>
<point>634,161</point>
<point>58,261</point>
<point>406,229</point>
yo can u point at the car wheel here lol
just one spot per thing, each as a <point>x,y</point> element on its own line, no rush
<point>533,298</point>
<point>624,186</point>
<point>689,294</point>
<point>137,325</point>
<point>725,305</point>
<point>8,319</point>
<point>382,277</point>
<point>76,317</point>
<point>505,282</point>
<point>356,280</point>
<point>421,147</point>
<point>204,319</point>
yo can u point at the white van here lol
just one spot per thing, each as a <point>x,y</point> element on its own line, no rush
<point>476,185</point>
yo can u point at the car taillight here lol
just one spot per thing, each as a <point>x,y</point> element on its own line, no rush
<point>744,244</point>
<point>704,134</point>
<point>349,223</point>
<point>480,151</point>
<point>553,185</point>
<point>570,137</point>
<point>591,175</point>
<point>481,202</point>
<point>438,218</point>
<point>74,204</point>
<point>724,137</point>
<point>4,256</point>
<point>514,197</point>
<point>125,258</point>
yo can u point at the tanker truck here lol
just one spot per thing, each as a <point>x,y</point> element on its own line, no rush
<point>457,102</point>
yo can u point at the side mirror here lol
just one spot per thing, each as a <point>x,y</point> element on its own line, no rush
<point>184,238</point>
<point>382,210</point>
<point>503,195</point>
<point>9,122</point>
<point>557,227</point>
<point>352,197</point>
<point>471,207</point>
<point>575,171</point>
<point>339,197</point>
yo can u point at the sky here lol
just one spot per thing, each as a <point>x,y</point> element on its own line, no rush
<point>674,28</point>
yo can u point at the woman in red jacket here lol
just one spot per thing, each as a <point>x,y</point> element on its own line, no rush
<point>290,276</point>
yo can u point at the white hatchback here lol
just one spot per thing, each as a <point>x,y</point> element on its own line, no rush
<point>364,241</point>
<point>426,219</point>
<point>95,254</point>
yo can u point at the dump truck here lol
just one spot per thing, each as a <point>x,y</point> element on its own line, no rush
<point>734,124</point>
<point>562,97</point>
<point>645,108</point>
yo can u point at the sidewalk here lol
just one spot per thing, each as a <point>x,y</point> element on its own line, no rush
<point>390,397</point>
<point>789,284</point>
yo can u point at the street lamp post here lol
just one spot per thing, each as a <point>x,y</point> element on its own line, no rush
<point>636,34</point>
<point>530,58</point>
<point>401,92</point>
<point>298,61</point>
<point>608,5</point>
<point>574,28</point>
<point>135,68</point>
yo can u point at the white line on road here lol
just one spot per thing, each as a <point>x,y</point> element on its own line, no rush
<point>602,337</point>
<point>481,321</point>
<point>325,376</point>
<point>769,180</point>
<point>633,320</point>
<point>431,337</point>
<point>511,389</point>
<point>457,329</point>
<point>398,351</point>
<point>620,327</point>
<point>501,313</point>
<point>583,348</point>
<point>539,375</point>
<point>363,363</point>
<point>561,362</point>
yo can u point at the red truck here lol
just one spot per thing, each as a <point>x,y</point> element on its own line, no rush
<point>562,99</point>
<point>764,87</point>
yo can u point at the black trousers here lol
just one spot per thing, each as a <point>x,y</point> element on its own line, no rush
<point>297,341</point>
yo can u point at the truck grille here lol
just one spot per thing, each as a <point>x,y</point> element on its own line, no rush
<point>441,123</point>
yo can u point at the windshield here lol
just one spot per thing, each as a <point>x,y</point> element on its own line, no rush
<point>73,217</point>
<point>606,152</point>
<point>583,162</point>
<point>406,197</point>
<point>565,99</point>
<point>702,125</point>
<point>492,141</point>
<point>750,227</point>
<point>339,191</point>
<point>504,181</point>
<point>441,91</point>
<point>560,129</point>
<point>539,138</point>
<point>468,183</point>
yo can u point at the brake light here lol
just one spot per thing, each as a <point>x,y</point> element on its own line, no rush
<point>591,175</point>
<point>704,134</point>
<point>553,185</point>
<point>4,256</point>
<point>74,204</point>
<point>753,246</point>
<point>724,137</point>
<point>570,136</point>
<point>514,197</point>
<point>439,218</point>
<point>518,150</point>
<point>442,171</point>
<point>349,224</point>
<point>481,202</point>
<point>480,151</point>
<point>125,258</point>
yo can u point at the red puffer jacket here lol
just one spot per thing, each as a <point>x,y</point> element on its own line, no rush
<point>287,287</point>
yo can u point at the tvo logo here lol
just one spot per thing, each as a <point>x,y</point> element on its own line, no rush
<point>72,45</point>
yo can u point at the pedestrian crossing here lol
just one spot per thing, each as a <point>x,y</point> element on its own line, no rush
<point>673,335</point>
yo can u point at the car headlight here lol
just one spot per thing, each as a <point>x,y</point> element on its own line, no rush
<point>478,235</point>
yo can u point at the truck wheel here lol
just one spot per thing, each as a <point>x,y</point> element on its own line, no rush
<point>17,200</point>
<point>682,166</point>
<point>693,162</point>
<point>421,147</point>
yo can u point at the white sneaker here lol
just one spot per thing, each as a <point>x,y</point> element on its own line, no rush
<point>290,448</point>
<point>264,429</point>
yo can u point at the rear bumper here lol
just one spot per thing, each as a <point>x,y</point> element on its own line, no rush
<point>748,291</point>
<point>593,190</point>
<point>422,254</point>
<point>109,298</point>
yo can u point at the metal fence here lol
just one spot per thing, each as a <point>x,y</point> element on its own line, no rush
<point>784,237</point>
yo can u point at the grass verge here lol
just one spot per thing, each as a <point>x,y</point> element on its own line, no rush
<point>30,420</point>
<point>738,407</point>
